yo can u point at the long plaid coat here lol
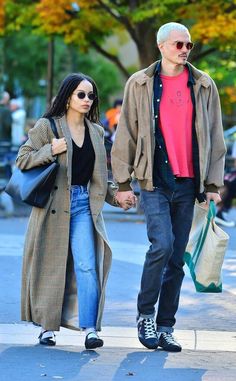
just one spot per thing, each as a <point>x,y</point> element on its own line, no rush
<point>49,294</point>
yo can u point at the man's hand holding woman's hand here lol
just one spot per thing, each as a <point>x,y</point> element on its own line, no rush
<point>126,199</point>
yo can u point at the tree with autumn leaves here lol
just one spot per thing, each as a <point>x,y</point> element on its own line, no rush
<point>212,24</point>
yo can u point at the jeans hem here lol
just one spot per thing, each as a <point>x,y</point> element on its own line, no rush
<point>165,329</point>
<point>145,316</point>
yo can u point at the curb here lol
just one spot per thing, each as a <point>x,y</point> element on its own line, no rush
<point>120,337</point>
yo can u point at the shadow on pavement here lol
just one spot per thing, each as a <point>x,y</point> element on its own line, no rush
<point>27,363</point>
<point>32,363</point>
<point>153,366</point>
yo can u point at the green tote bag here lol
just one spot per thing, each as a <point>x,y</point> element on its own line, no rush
<point>206,249</point>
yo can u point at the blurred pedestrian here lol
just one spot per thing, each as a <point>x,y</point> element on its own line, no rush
<point>228,194</point>
<point>6,202</point>
<point>67,256</point>
<point>110,124</point>
<point>18,122</point>
<point>112,116</point>
<point>170,135</point>
<point>5,118</point>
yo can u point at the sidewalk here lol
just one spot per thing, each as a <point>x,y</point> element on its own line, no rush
<point>206,356</point>
<point>120,337</point>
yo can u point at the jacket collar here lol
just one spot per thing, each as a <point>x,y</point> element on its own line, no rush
<point>195,76</point>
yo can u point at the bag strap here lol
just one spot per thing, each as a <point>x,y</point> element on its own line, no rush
<point>53,127</point>
<point>209,217</point>
<point>211,210</point>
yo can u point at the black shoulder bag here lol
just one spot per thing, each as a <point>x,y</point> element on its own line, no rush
<point>33,186</point>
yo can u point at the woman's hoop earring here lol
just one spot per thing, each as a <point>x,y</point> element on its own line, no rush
<point>68,104</point>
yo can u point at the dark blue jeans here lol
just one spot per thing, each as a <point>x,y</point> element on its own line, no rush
<point>169,218</point>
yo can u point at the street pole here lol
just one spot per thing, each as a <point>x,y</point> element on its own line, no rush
<point>1,65</point>
<point>50,69</point>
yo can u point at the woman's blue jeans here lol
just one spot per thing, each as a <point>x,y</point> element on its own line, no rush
<point>169,218</point>
<point>82,243</point>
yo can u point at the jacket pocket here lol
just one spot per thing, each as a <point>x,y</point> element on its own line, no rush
<point>140,162</point>
<point>139,151</point>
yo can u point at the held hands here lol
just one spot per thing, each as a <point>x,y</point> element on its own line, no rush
<point>126,199</point>
<point>59,146</point>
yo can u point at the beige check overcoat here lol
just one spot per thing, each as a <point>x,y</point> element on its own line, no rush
<point>49,294</point>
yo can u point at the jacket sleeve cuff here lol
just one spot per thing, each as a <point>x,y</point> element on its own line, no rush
<point>124,186</point>
<point>211,188</point>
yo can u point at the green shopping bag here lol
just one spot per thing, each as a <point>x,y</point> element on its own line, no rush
<point>205,250</point>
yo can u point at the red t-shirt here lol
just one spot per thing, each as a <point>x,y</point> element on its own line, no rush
<point>176,111</point>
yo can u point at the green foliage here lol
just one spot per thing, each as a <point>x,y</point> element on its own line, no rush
<point>106,75</point>
<point>212,25</point>
<point>221,66</point>
<point>156,10</point>
<point>25,63</point>
<point>25,59</point>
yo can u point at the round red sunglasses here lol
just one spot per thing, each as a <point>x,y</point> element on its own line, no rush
<point>179,45</point>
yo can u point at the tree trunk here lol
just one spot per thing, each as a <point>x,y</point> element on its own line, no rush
<point>146,44</point>
<point>50,70</point>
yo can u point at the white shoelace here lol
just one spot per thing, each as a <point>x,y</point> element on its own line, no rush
<point>149,329</point>
<point>169,338</point>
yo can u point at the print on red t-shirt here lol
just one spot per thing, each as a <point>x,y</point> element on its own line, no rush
<point>176,111</point>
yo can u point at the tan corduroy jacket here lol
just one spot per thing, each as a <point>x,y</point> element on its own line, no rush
<point>133,149</point>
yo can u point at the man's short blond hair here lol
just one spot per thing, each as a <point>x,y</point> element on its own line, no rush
<point>165,30</point>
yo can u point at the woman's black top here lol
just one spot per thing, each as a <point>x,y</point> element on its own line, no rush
<point>83,159</point>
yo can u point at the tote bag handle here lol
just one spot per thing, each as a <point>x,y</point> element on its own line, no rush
<point>53,127</point>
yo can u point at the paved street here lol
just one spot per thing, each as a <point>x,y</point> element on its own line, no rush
<point>206,324</point>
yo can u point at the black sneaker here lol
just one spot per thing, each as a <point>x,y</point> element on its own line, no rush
<point>168,342</point>
<point>147,333</point>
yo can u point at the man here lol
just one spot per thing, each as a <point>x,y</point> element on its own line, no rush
<point>5,131</point>
<point>113,115</point>
<point>5,118</point>
<point>18,122</point>
<point>5,143</point>
<point>170,135</point>
<point>229,194</point>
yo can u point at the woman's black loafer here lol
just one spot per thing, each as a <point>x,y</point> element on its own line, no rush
<point>47,338</point>
<point>93,341</point>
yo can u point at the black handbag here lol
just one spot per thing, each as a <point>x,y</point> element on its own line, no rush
<point>33,186</point>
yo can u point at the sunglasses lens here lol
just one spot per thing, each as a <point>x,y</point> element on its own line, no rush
<point>189,45</point>
<point>91,96</point>
<point>179,45</point>
<point>82,95</point>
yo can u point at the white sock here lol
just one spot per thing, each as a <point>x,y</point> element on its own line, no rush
<point>90,330</point>
<point>47,333</point>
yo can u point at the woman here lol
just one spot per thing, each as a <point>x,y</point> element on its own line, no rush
<point>67,256</point>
